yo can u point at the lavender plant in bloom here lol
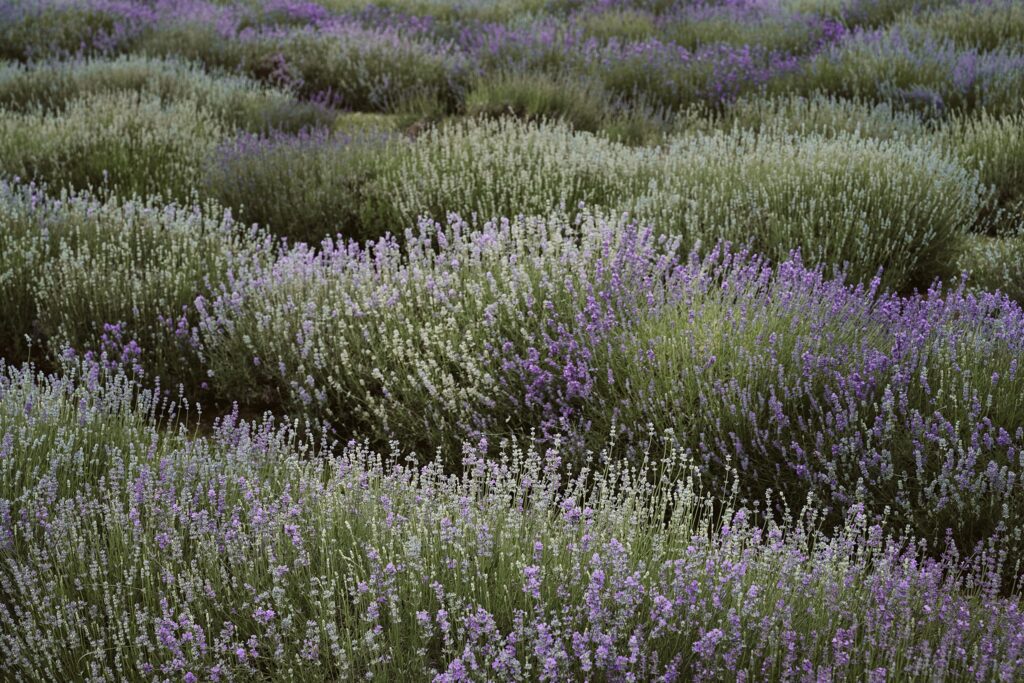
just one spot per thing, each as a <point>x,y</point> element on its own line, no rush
<point>61,28</point>
<point>129,552</point>
<point>803,383</point>
<point>116,278</point>
<point>918,70</point>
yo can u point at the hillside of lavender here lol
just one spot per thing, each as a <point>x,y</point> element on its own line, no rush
<point>511,340</point>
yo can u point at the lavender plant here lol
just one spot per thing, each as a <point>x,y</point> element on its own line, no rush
<point>132,144</point>
<point>997,263</point>
<point>60,28</point>
<point>342,64</point>
<point>981,24</point>
<point>995,147</point>
<point>586,329</point>
<point>90,277</point>
<point>678,397</point>
<point>868,203</point>
<point>916,70</point>
<point>236,101</point>
<point>305,187</point>
<point>825,115</point>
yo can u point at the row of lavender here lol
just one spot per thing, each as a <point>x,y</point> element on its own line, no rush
<point>130,551</point>
<point>584,328</point>
<point>422,56</point>
<point>920,200</point>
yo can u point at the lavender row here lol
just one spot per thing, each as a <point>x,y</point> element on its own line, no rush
<point>130,551</point>
<point>428,58</point>
<point>584,327</point>
<point>591,327</point>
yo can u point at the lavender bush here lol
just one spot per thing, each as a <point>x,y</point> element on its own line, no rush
<point>984,24</point>
<point>86,277</point>
<point>916,70</point>
<point>236,101</point>
<point>119,141</point>
<point>588,329</point>
<point>303,186</point>
<point>888,203</point>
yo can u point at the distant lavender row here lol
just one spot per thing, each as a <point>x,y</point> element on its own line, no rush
<point>131,552</point>
<point>371,58</point>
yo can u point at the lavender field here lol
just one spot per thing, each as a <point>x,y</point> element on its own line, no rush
<point>511,340</point>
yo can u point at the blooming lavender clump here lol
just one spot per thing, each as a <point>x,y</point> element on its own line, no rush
<point>128,551</point>
<point>803,382</point>
<point>918,70</point>
<point>72,268</point>
<point>58,28</point>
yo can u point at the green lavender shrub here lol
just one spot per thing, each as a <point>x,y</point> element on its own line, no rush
<point>622,24</point>
<point>849,200</point>
<point>304,187</point>
<point>32,30</point>
<point>994,147</point>
<point>740,26</point>
<point>824,115</point>
<point>130,143</point>
<point>504,167</point>
<point>996,263</point>
<point>842,199</point>
<point>538,96</point>
<point>362,123</point>
<point>862,13</point>
<point>989,25</point>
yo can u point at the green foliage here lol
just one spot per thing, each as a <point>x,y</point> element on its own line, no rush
<point>842,199</point>
<point>996,263</point>
<point>535,97</point>
<point>994,147</point>
<point>986,25</point>
<point>846,200</point>
<point>305,188</point>
<point>505,168</point>
<point>239,550</point>
<point>823,115</point>
<point>861,13</point>
<point>622,24</point>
